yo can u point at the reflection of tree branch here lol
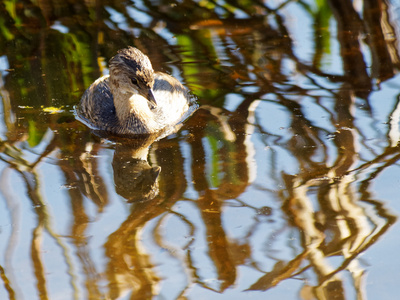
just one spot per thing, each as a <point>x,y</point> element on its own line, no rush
<point>158,236</point>
<point>14,209</point>
<point>7,284</point>
<point>32,183</point>
<point>280,272</point>
<point>31,180</point>
<point>388,163</point>
<point>390,221</point>
<point>389,156</point>
<point>129,268</point>
<point>385,57</point>
<point>187,259</point>
<point>37,262</point>
<point>217,241</point>
<point>349,30</point>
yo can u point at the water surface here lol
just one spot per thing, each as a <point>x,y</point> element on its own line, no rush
<point>283,185</point>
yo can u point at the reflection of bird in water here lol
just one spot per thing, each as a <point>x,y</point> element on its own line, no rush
<point>134,99</point>
<point>134,178</point>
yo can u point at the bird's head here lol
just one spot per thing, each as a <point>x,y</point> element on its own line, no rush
<point>131,72</point>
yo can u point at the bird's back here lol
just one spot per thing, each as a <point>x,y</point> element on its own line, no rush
<point>96,107</point>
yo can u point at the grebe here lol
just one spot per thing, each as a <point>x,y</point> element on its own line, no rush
<point>133,99</point>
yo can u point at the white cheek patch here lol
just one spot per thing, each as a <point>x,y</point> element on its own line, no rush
<point>135,91</point>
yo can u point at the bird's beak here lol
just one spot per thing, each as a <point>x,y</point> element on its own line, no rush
<point>151,98</point>
<point>155,171</point>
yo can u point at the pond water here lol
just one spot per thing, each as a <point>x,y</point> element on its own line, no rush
<point>284,184</point>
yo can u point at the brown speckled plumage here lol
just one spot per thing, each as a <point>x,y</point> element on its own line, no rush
<point>134,99</point>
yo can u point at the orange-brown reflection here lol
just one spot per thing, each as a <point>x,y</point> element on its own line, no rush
<point>129,267</point>
<point>217,55</point>
<point>341,215</point>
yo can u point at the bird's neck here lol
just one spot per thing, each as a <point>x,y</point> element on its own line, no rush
<point>134,113</point>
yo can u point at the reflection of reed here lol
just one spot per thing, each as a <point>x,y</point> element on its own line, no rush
<point>129,268</point>
<point>342,227</point>
<point>339,224</point>
<point>31,180</point>
<point>235,169</point>
<point>8,278</point>
<point>385,61</point>
<point>349,31</point>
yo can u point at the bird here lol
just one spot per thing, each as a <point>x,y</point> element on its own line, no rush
<point>134,99</point>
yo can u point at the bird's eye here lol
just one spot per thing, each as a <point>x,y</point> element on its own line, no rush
<point>134,81</point>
